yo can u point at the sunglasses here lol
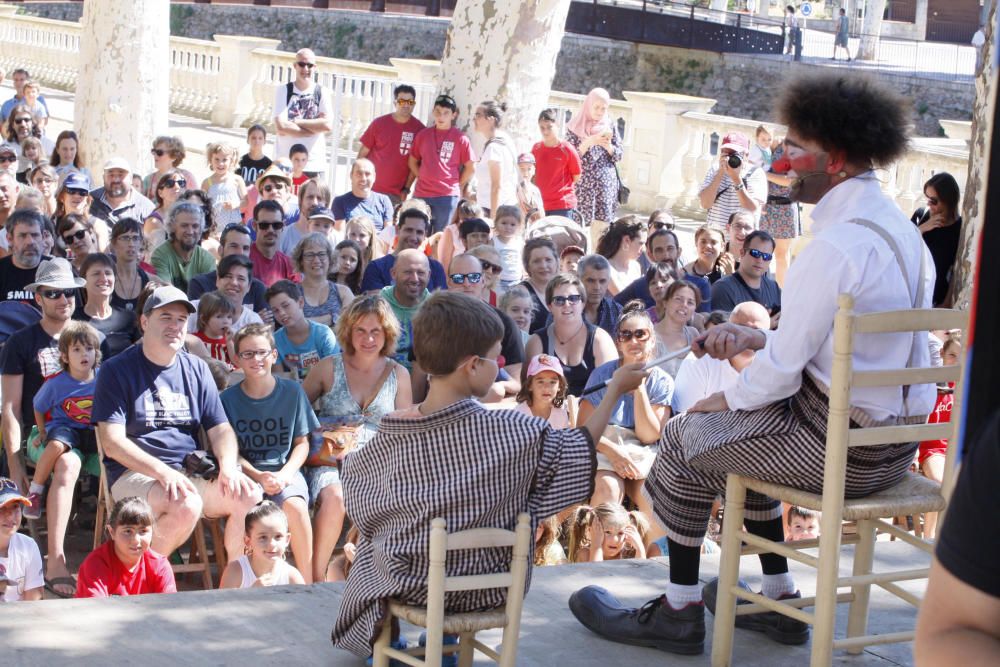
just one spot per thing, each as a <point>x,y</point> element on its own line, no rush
<point>78,235</point>
<point>563,300</point>
<point>933,201</point>
<point>445,101</point>
<point>657,225</point>
<point>625,335</point>
<point>174,181</point>
<point>53,294</point>
<point>406,103</point>
<point>272,188</point>
<point>760,254</point>
<point>247,355</point>
<point>76,192</point>
<point>21,121</point>
<point>460,278</point>
<point>276,226</point>
<point>491,267</point>
<point>4,159</point>
<point>158,152</point>
<point>305,65</point>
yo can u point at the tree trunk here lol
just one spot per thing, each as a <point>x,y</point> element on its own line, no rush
<point>504,51</point>
<point>123,91</point>
<point>871,27</point>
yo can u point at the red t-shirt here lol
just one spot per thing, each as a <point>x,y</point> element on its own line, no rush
<point>102,575</point>
<point>389,144</point>
<point>555,168</point>
<point>270,271</point>
<point>440,154</point>
<point>298,181</point>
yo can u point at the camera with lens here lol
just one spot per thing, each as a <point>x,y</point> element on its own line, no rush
<point>735,161</point>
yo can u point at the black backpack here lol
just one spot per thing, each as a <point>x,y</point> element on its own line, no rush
<point>305,107</point>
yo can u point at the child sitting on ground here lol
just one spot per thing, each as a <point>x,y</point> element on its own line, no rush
<point>124,564</point>
<point>544,393</point>
<point>21,575</point>
<point>273,419</point>
<point>263,564</point>
<point>63,408</point>
<point>621,534</point>
<point>499,463</point>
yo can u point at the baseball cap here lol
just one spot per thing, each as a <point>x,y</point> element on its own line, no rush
<point>9,493</point>
<point>117,163</point>
<point>526,158</point>
<point>164,296</point>
<point>570,249</point>
<point>7,147</point>
<point>544,362</point>
<point>76,181</point>
<point>320,212</point>
<point>736,141</point>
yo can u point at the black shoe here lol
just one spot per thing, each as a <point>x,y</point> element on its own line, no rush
<point>780,628</point>
<point>656,624</point>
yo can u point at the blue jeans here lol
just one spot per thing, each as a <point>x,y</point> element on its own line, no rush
<point>442,208</point>
<point>564,212</point>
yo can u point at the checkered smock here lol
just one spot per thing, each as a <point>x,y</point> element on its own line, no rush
<point>473,467</point>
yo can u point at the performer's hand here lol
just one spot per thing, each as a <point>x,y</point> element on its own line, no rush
<point>714,403</point>
<point>726,340</point>
<point>627,378</point>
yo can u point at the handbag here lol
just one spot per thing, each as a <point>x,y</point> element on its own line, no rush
<point>623,191</point>
<point>339,436</point>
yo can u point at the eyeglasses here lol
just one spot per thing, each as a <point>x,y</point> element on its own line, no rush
<point>53,294</point>
<point>563,300</point>
<point>625,335</point>
<point>130,238</point>
<point>933,201</point>
<point>274,187</point>
<point>490,266</point>
<point>310,256</point>
<point>76,193</point>
<point>158,152</point>
<point>7,158</point>
<point>760,254</point>
<point>78,235</point>
<point>22,120</point>
<point>247,355</point>
<point>305,65</point>
<point>276,226</point>
<point>406,103</point>
<point>45,179</point>
<point>460,278</point>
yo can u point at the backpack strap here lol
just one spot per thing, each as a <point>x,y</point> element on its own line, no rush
<point>289,88</point>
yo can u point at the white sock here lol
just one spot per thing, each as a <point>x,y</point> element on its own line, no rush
<point>36,488</point>
<point>776,585</point>
<point>679,596</point>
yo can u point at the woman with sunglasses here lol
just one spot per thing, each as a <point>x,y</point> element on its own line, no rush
<point>941,226</point>
<point>324,299</point>
<point>580,346</point>
<point>73,196</point>
<point>622,245</point>
<point>130,276</point>
<point>169,188</point>
<point>673,331</point>
<point>168,153</point>
<point>489,257</point>
<point>624,455</point>
<point>77,238</point>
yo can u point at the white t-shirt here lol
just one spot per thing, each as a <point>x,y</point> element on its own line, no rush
<point>510,257</point>
<point>246,317</point>
<point>315,143</point>
<point>498,150</point>
<point>22,566</point>
<point>699,378</point>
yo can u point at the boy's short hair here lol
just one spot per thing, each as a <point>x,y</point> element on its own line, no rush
<point>211,304</point>
<point>758,234</point>
<point>131,511</point>
<point>256,127</point>
<point>547,115</point>
<point>371,304</point>
<point>801,512</point>
<point>254,329</point>
<point>268,205</point>
<point>451,327</point>
<point>77,332</point>
<point>283,287</point>
<point>296,149</point>
<point>472,226</point>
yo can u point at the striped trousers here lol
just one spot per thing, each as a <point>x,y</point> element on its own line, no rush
<point>784,442</point>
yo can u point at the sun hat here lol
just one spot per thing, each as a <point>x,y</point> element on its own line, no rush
<point>56,273</point>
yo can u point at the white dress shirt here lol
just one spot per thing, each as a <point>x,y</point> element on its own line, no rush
<point>700,378</point>
<point>845,257</point>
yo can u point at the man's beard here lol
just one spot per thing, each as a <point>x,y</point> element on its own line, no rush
<point>117,190</point>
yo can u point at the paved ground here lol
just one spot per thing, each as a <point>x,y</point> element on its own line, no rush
<point>290,625</point>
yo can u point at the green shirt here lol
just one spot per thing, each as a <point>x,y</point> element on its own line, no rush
<point>404,346</point>
<point>170,269</point>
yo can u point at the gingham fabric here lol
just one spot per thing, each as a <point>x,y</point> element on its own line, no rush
<point>473,467</point>
<point>784,442</point>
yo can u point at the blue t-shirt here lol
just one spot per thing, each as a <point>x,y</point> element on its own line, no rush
<point>161,407</point>
<point>66,401</point>
<point>320,344</point>
<point>377,206</point>
<point>659,387</point>
<point>267,427</point>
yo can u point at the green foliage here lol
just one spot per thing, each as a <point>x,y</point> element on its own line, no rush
<point>179,15</point>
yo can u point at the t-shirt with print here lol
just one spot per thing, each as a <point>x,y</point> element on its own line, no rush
<point>659,388</point>
<point>13,281</point>
<point>249,169</point>
<point>103,575</point>
<point>555,167</point>
<point>66,401</point>
<point>303,106</point>
<point>389,144</point>
<point>34,354</point>
<point>162,407</point>
<point>728,200</point>
<point>22,567</point>
<point>320,344</point>
<point>510,257</point>
<point>267,427</point>
<point>440,155</point>
<point>376,205</point>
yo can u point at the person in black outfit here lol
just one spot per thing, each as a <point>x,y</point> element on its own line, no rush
<point>941,226</point>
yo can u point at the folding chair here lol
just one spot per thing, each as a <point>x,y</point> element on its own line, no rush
<point>913,495</point>
<point>466,624</point>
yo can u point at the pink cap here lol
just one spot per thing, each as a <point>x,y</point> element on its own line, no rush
<point>736,141</point>
<point>544,362</point>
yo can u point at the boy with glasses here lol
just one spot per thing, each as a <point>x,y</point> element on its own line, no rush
<point>303,114</point>
<point>387,143</point>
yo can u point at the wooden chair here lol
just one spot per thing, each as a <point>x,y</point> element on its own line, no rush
<point>913,495</point>
<point>467,624</point>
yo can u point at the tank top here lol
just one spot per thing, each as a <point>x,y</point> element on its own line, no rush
<point>216,347</point>
<point>338,402</point>
<point>558,418</point>
<point>329,307</point>
<point>219,194</point>
<point>576,376</point>
<point>249,578</point>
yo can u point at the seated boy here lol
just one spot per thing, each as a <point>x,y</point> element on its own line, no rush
<point>300,342</point>
<point>477,468</point>
<point>20,560</point>
<point>272,419</point>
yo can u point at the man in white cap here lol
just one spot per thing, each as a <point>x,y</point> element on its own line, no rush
<point>150,404</point>
<point>30,357</point>
<point>9,189</point>
<point>117,199</point>
<point>733,183</point>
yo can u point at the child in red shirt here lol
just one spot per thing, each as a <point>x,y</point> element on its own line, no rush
<point>124,564</point>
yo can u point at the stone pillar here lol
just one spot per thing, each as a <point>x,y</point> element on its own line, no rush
<point>123,91</point>
<point>505,51</point>
<point>654,167</point>
<point>237,75</point>
<point>920,27</point>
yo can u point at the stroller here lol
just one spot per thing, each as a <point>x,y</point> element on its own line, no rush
<point>561,231</point>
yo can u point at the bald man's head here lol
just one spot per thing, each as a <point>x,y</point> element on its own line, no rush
<point>751,314</point>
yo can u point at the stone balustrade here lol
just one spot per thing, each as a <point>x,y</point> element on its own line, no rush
<point>670,140</point>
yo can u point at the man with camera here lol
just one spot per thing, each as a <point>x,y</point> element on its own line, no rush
<point>150,405</point>
<point>733,184</point>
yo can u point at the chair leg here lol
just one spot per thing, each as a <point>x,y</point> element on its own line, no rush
<point>99,518</point>
<point>826,597</point>
<point>379,658</point>
<point>202,549</point>
<point>729,573</point>
<point>467,649</point>
<point>857,617</point>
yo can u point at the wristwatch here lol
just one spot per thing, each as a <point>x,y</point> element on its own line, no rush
<point>738,187</point>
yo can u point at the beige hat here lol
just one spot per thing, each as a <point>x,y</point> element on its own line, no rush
<point>273,172</point>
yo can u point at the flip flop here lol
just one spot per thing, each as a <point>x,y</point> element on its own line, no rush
<point>50,586</point>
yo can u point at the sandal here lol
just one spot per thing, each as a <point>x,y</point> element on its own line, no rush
<point>50,586</point>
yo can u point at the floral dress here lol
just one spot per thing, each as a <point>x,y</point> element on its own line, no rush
<point>597,189</point>
<point>781,221</point>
